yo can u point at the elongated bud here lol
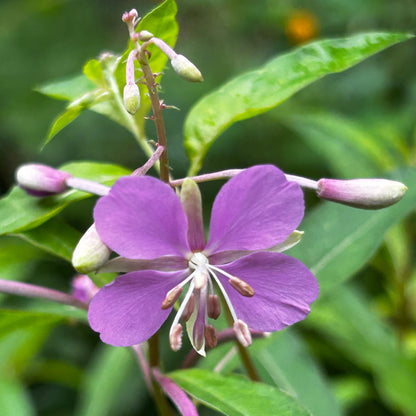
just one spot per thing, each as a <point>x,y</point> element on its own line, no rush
<point>171,297</point>
<point>242,333</point>
<point>41,180</point>
<point>83,288</point>
<point>131,98</point>
<point>145,35</point>
<point>362,193</point>
<point>90,253</point>
<point>175,337</point>
<point>186,69</point>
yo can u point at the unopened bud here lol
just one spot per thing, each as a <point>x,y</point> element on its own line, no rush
<point>41,180</point>
<point>83,288</point>
<point>145,35</point>
<point>189,308</point>
<point>242,333</point>
<point>129,16</point>
<point>175,337</point>
<point>242,287</point>
<point>131,97</point>
<point>90,253</point>
<point>171,297</point>
<point>210,336</point>
<point>213,307</point>
<point>186,69</point>
<point>362,193</point>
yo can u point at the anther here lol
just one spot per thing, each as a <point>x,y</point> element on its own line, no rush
<point>171,297</point>
<point>213,306</point>
<point>189,308</point>
<point>175,337</point>
<point>210,336</point>
<point>242,333</point>
<point>241,286</point>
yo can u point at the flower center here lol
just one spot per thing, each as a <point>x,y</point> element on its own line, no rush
<point>200,303</point>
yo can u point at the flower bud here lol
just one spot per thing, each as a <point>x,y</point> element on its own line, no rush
<point>131,97</point>
<point>362,193</point>
<point>83,288</point>
<point>41,180</point>
<point>186,69</point>
<point>145,35</point>
<point>90,253</point>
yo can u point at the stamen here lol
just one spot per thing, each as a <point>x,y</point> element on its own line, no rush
<point>214,306</point>
<point>171,297</point>
<point>175,337</point>
<point>201,318</point>
<point>242,333</point>
<point>241,287</point>
<point>210,336</point>
<point>224,293</point>
<point>189,308</point>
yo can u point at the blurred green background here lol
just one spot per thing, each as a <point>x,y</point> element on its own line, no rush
<point>47,40</point>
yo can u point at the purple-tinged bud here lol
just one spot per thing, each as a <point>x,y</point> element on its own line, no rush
<point>41,180</point>
<point>213,307</point>
<point>83,288</point>
<point>145,35</point>
<point>175,337</point>
<point>131,97</point>
<point>242,333</point>
<point>186,69</point>
<point>210,336</point>
<point>90,253</point>
<point>130,16</point>
<point>362,193</point>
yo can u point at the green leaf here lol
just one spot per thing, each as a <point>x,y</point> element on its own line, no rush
<point>286,362</point>
<point>93,70</point>
<point>68,89</point>
<point>350,150</point>
<point>21,212</point>
<point>14,400</point>
<point>262,89</point>
<point>101,392</point>
<point>55,237</point>
<point>62,121</point>
<point>348,237</point>
<point>346,319</point>
<point>236,396</point>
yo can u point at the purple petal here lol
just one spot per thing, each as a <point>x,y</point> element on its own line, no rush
<point>176,394</point>
<point>256,209</point>
<point>284,288</point>
<point>123,265</point>
<point>142,218</point>
<point>128,310</point>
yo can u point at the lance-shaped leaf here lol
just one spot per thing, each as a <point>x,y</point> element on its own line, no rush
<point>262,89</point>
<point>236,396</point>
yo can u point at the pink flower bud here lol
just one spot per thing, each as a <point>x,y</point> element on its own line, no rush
<point>131,97</point>
<point>362,193</point>
<point>41,180</point>
<point>83,288</point>
<point>186,69</point>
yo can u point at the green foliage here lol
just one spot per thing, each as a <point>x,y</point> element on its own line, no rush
<point>236,396</point>
<point>21,212</point>
<point>255,92</point>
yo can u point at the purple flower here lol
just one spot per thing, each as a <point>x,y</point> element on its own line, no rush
<point>161,240</point>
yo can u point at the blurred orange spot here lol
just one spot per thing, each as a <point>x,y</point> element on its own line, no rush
<point>302,26</point>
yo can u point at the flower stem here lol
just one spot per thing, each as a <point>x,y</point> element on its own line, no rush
<point>157,114</point>
<point>33,291</point>
<point>305,183</point>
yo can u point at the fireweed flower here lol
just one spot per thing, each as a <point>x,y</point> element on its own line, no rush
<point>162,246</point>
